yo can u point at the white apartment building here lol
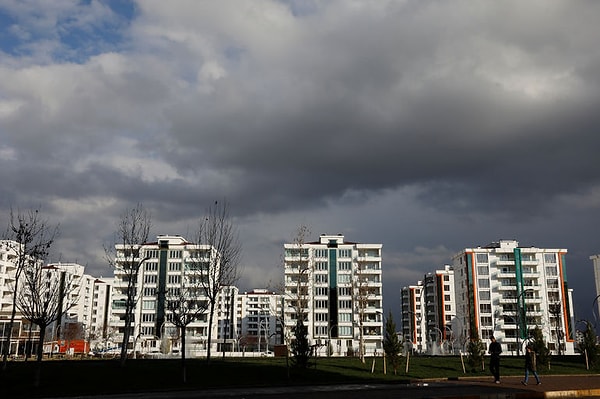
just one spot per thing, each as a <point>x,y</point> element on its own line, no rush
<point>413,319</point>
<point>506,290</point>
<point>93,308</point>
<point>170,263</point>
<point>259,320</point>
<point>25,334</point>
<point>428,309</point>
<point>337,285</point>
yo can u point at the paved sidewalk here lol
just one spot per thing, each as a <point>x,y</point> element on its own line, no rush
<point>553,386</point>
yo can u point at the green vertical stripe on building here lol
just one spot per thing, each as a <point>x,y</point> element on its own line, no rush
<point>162,286</point>
<point>333,294</point>
<point>520,296</point>
<point>563,266</point>
<point>471,294</point>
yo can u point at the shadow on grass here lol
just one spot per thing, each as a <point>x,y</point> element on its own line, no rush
<point>94,377</point>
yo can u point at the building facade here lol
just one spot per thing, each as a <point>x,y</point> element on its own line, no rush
<point>259,320</point>
<point>506,290</point>
<point>428,309</point>
<point>335,286</point>
<point>170,264</point>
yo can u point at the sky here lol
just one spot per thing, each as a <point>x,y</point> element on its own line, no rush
<point>426,126</point>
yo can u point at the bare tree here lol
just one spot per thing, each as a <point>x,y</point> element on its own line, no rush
<point>361,300</point>
<point>185,305</point>
<point>29,238</point>
<point>127,257</point>
<point>299,295</point>
<point>220,266</point>
<point>46,293</point>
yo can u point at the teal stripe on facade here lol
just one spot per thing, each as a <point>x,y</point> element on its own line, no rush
<point>520,296</point>
<point>333,294</point>
<point>563,266</point>
<point>162,287</point>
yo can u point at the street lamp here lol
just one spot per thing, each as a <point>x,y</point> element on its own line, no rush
<point>329,348</point>
<point>519,310</point>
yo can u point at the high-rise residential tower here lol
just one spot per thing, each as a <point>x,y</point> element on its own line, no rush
<point>506,290</point>
<point>336,286</point>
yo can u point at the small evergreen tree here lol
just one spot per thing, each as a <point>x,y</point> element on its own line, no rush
<point>300,345</point>
<point>539,347</point>
<point>475,352</point>
<point>391,344</point>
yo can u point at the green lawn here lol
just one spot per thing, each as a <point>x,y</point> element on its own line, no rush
<point>86,377</point>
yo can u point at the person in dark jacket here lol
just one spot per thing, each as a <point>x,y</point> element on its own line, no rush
<point>530,365</point>
<point>495,349</point>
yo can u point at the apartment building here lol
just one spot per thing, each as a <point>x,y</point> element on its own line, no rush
<point>413,320</point>
<point>336,286</point>
<point>428,309</point>
<point>170,264</point>
<point>505,290</point>
<point>259,320</point>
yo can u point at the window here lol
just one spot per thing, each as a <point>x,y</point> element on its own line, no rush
<point>149,291</point>
<point>345,317</point>
<point>482,258</point>
<point>345,304</point>
<point>320,278</point>
<point>321,291</point>
<point>174,266</point>
<point>321,266</point>
<point>150,279</point>
<point>551,271</point>
<point>175,254</point>
<point>446,297</point>
<point>550,258</point>
<point>320,253</point>
<point>148,317</point>
<point>446,288</point>
<point>320,330</point>
<point>345,253</point>
<point>483,283</point>
<point>343,278</point>
<point>483,270</point>
<point>174,279</point>
<point>344,266</point>
<point>321,316</point>
<point>484,295</point>
<point>148,304</point>
<point>447,308</point>
<point>151,266</point>
<point>446,278</point>
<point>152,253</point>
<point>321,304</point>
<point>345,291</point>
<point>486,321</point>
<point>485,308</point>
<point>344,330</point>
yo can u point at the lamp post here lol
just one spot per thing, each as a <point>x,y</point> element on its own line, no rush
<point>329,339</point>
<point>519,309</point>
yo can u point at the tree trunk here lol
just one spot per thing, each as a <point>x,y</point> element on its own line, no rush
<point>126,332</point>
<point>183,367</point>
<point>40,354</point>
<point>210,322</point>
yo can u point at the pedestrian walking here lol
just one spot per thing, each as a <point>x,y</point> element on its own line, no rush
<point>530,365</point>
<point>495,349</point>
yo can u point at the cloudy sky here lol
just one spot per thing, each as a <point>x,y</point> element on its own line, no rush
<point>426,126</point>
